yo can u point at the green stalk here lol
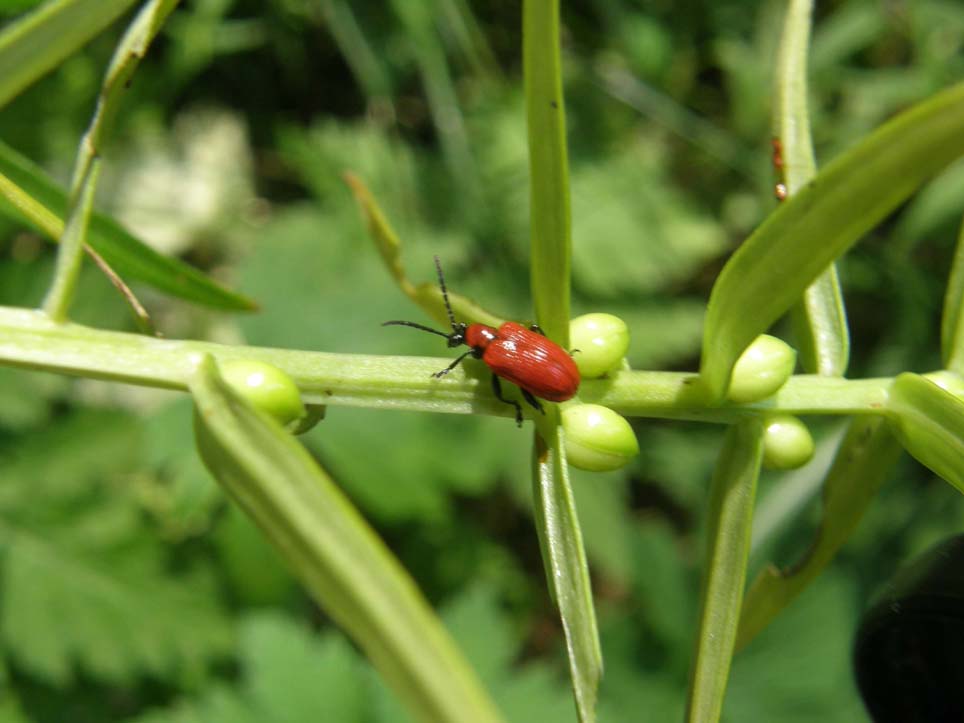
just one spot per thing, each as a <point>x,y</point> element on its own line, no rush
<point>548,168</point>
<point>31,340</point>
<point>127,57</point>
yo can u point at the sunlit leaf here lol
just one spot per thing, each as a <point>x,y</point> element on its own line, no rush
<point>38,42</point>
<point>813,227</point>
<point>344,565</point>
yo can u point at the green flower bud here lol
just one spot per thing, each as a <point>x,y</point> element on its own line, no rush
<point>266,387</point>
<point>597,438</point>
<point>761,370</point>
<point>601,340</point>
<point>787,443</point>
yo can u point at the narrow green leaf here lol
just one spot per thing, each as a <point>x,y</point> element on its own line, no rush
<point>389,246</point>
<point>133,46</point>
<point>419,19</point>
<point>41,40</point>
<point>952,333</point>
<point>929,422</point>
<point>861,464</point>
<point>819,320</point>
<point>347,569</point>
<point>28,194</point>
<point>366,63</point>
<point>732,494</point>
<point>548,168</point>
<point>566,569</point>
<point>770,271</point>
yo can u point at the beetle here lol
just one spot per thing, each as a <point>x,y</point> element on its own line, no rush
<point>521,355</point>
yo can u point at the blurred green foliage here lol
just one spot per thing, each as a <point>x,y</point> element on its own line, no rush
<point>131,591</point>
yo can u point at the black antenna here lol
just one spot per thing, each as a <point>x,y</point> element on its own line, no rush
<point>416,326</point>
<point>457,337</point>
<point>445,293</point>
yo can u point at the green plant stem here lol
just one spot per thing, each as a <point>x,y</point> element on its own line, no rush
<point>127,57</point>
<point>550,223</point>
<point>30,339</point>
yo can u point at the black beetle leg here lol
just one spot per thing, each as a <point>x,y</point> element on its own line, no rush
<point>497,390</point>
<point>450,367</point>
<point>532,400</point>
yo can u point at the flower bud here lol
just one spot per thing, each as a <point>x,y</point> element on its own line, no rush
<point>601,341</point>
<point>787,443</point>
<point>761,370</point>
<point>266,387</point>
<point>597,438</point>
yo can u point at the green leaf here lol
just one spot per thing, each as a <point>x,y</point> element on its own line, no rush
<point>527,692</point>
<point>344,565</point>
<point>865,457</point>
<point>289,675</point>
<point>428,296</point>
<point>566,569</point>
<point>84,583</point>
<point>627,207</point>
<point>952,333</point>
<point>119,621</point>
<point>38,42</point>
<point>798,241</point>
<point>929,422</point>
<point>292,675</point>
<point>418,20</point>
<point>548,168</point>
<point>28,194</point>
<point>732,495</point>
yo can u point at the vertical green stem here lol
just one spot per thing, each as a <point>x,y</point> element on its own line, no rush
<point>732,495</point>
<point>127,57</point>
<point>548,167</point>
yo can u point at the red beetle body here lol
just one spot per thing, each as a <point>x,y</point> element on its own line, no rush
<point>527,359</point>
<point>523,356</point>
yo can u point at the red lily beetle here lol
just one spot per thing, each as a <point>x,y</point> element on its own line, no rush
<point>521,355</point>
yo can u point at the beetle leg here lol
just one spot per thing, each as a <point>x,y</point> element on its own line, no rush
<point>527,395</point>
<point>497,390</point>
<point>451,366</point>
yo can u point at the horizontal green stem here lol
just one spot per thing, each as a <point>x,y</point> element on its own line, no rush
<point>30,339</point>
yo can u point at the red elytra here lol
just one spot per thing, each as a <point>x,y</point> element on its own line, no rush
<point>527,359</point>
<point>523,356</point>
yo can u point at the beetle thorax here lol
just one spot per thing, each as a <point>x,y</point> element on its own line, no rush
<point>479,336</point>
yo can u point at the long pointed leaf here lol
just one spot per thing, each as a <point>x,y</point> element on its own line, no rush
<point>952,333</point>
<point>29,195</point>
<point>566,568</point>
<point>732,494</point>
<point>348,570</point>
<point>770,271</point>
<point>42,39</point>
